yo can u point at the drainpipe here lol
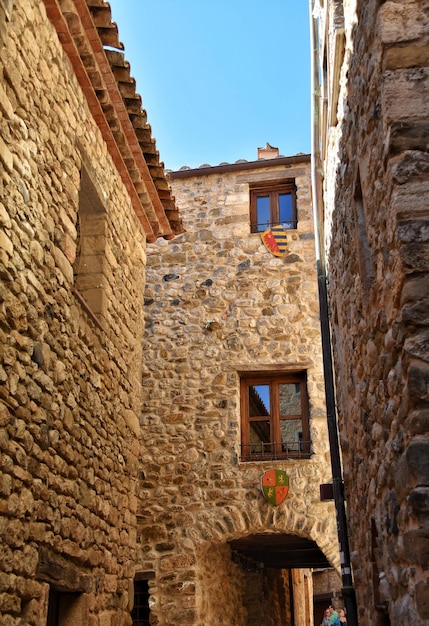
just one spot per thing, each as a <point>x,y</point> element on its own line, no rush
<point>347,590</point>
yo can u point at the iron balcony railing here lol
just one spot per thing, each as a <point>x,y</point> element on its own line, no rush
<point>262,451</point>
<point>287,225</point>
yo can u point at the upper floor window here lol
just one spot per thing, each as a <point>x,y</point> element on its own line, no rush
<point>274,416</point>
<point>272,204</point>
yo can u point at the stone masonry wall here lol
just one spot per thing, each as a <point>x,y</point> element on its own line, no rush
<point>70,382</point>
<point>217,303</point>
<point>376,196</point>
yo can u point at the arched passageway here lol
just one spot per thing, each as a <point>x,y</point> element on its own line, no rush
<point>276,577</point>
<point>279,551</point>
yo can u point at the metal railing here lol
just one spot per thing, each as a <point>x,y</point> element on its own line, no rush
<point>287,225</point>
<point>262,451</point>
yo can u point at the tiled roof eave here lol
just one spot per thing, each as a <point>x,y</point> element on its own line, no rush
<point>80,37</point>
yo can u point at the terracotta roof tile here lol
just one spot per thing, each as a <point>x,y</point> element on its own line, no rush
<point>108,32</point>
<point>91,40</point>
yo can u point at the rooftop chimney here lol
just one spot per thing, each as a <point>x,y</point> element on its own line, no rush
<point>268,152</point>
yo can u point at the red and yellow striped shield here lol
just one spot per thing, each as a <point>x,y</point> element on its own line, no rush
<point>275,240</point>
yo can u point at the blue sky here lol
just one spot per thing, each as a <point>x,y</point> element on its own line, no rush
<point>220,78</point>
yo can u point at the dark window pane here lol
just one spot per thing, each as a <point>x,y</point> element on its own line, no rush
<point>260,438</point>
<point>259,400</point>
<point>263,215</point>
<point>290,399</point>
<point>286,210</point>
<point>291,434</point>
<point>260,432</point>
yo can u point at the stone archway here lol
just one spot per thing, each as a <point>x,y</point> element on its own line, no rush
<point>279,551</point>
<point>197,580</point>
<point>257,578</point>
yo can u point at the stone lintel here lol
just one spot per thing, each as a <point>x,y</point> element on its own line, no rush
<point>62,574</point>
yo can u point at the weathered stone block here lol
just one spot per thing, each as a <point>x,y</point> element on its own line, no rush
<point>413,468</point>
<point>413,231</point>
<point>414,288</point>
<point>418,380</point>
<point>6,243</point>
<point>418,422</point>
<point>409,135</point>
<point>419,501</point>
<point>408,199</point>
<point>401,87</point>
<point>6,156</point>
<point>415,257</point>
<point>418,345</point>
<point>5,104</point>
<point>10,603</point>
<point>406,56</point>
<point>399,22</point>
<point>422,599</point>
<point>416,313</point>
<point>416,546</point>
<point>176,562</point>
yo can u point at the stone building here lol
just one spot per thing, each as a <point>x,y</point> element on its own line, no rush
<point>132,460</point>
<point>82,189</point>
<point>371,124</point>
<point>233,388</point>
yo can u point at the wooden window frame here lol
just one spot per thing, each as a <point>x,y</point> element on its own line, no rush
<point>272,190</point>
<point>275,449</point>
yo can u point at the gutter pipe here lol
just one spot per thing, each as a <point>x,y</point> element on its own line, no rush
<point>347,590</point>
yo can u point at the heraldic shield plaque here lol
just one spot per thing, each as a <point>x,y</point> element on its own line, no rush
<point>275,485</point>
<point>275,240</point>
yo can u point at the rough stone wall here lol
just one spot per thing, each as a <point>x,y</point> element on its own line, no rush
<point>226,606</point>
<point>376,197</point>
<point>267,598</point>
<point>231,595</point>
<point>70,385</point>
<point>217,303</point>
<point>326,581</point>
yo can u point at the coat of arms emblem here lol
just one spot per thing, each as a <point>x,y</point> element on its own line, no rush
<point>275,485</point>
<point>275,240</point>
